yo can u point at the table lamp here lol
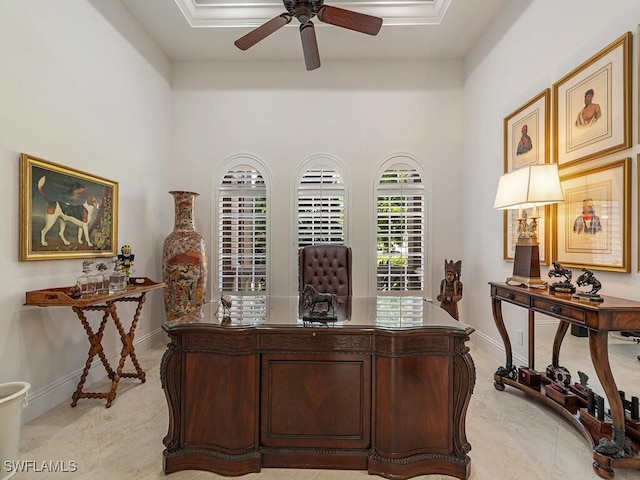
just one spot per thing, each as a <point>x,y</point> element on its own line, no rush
<point>528,187</point>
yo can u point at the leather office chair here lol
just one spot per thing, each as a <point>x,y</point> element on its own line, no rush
<point>327,268</point>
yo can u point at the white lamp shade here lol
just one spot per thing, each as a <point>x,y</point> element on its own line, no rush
<point>528,187</point>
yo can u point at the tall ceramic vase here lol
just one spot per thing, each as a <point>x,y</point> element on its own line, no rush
<point>184,260</point>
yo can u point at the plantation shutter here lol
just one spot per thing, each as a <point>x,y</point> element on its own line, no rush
<point>320,207</point>
<point>242,227</point>
<point>400,231</point>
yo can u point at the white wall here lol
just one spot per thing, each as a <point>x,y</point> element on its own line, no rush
<point>83,87</point>
<point>359,113</point>
<point>530,46</point>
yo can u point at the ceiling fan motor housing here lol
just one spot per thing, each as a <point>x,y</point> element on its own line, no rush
<point>303,10</point>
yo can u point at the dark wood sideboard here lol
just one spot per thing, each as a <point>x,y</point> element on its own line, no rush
<point>387,396</point>
<point>615,441</point>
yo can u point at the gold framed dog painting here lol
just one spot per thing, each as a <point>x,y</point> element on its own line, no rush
<point>65,213</point>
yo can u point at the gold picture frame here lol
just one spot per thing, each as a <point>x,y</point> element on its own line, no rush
<point>593,225</point>
<point>526,142</point>
<point>638,205</point>
<point>591,106</point>
<point>65,213</point>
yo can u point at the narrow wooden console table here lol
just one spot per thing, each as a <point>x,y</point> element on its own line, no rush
<point>385,391</point>
<point>610,450</point>
<point>104,302</point>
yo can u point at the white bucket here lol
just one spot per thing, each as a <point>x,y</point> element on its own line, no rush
<point>13,398</point>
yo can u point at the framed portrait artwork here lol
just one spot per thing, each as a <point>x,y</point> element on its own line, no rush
<point>592,226</point>
<point>65,213</point>
<point>591,106</point>
<point>526,142</point>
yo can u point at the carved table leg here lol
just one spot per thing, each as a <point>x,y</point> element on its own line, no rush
<point>508,370</point>
<point>127,346</point>
<point>95,341</point>
<point>532,339</point>
<point>557,342</point>
<point>618,446</point>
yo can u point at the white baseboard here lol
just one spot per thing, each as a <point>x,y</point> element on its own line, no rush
<point>495,349</point>
<point>45,398</point>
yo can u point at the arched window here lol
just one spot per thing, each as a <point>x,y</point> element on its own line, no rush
<point>242,231</point>
<point>400,229</point>
<point>321,206</point>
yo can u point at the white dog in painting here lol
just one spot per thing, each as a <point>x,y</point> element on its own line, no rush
<point>80,215</point>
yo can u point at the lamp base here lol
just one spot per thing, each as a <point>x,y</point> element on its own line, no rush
<point>526,266</point>
<point>532,282</point>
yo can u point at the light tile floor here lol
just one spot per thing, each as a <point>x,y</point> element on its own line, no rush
<point>512,437</point>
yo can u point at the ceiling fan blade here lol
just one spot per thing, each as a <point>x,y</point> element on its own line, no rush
<point>358,22</point>
<point>309,45</point>
<point>262,32</point>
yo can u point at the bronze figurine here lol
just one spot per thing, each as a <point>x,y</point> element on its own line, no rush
<point>564,286</point>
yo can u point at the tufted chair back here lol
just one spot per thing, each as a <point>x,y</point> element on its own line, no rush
<point>327,267</point>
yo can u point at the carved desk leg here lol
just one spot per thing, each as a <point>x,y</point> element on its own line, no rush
<point>618,446</point>
<point>170,368</point>
<point>508,370</point>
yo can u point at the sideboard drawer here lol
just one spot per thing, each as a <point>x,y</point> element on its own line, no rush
<point>576,315</point>
<point>510,296</point>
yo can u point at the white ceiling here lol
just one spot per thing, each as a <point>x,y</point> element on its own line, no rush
<point>412,29</point>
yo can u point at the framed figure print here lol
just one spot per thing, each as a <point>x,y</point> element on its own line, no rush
<point>65,213</point>
<point>526,142</point>
<point>526,134</point>
<point>592,226</point>
<point>591,106</point>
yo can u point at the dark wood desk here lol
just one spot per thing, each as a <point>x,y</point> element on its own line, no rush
<point>613,314</point>
<point>386,391</point>
<point>105,302</point>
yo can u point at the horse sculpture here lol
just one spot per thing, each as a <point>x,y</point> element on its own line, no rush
<point>311,298</point>
<point>559,271</point>
<point>587,278</point>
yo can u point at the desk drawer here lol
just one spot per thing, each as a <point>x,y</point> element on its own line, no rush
<point>559,310</point>
<point>510,296</point>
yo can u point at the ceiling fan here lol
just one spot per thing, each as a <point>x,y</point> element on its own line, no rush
<point>304,11</point>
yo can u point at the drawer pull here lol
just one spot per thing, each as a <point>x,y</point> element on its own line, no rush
<point>511,296</point>
<point>556,309</point>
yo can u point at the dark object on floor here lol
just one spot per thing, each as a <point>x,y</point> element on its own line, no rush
<point>579,331</point>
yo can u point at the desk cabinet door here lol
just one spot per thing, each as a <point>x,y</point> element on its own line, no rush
<point>414,407</point>
<point>316,400</point>
<point>220,405</point>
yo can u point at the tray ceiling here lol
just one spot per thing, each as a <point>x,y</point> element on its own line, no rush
<point>204,30</point>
